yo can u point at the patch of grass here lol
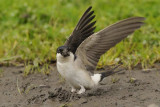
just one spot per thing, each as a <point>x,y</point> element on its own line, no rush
<point>31,31</point>
<point>30,68</point>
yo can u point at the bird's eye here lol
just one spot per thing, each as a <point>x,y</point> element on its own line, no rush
<point>59,50</point>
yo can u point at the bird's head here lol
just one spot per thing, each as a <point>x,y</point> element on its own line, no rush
<point>64,51</point>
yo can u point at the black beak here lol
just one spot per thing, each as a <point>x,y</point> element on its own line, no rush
<point>63,50</point>
<point>65,54</point>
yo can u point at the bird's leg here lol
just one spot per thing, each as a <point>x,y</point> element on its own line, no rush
<point>82,90</point>
<point>73,89</point>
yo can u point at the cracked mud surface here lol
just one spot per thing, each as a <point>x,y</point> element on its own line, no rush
<point>135,88</point>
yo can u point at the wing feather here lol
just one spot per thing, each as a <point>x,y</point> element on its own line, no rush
<point>97,44</point>
<point>83,29</point>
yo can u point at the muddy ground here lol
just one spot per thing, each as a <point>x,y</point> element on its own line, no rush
<point>136,88</point>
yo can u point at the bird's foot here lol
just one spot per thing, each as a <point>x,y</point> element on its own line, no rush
<point>73,90</point>
<point>82,90</point>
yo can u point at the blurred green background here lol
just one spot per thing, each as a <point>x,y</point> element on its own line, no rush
<point>31,30</point>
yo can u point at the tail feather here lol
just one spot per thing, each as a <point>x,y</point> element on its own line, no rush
<point>108,73</point>
<point>99,77</point>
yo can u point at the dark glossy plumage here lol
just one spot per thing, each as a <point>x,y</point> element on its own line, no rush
<point>84,29</point>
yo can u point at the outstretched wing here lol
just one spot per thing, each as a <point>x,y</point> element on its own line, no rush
<point>90,50</point>
<point>83,29</point>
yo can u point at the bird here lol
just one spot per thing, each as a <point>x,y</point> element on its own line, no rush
<point>78,57</point>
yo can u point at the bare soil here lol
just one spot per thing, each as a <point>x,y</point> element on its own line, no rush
<point>136,88</point>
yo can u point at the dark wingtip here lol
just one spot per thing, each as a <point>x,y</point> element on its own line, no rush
<point>140,18</point>
<point>90,7</point>
<point>84,22</point>
<point>91,12</point>
<point>93,16</point>
<point>143,18</point>
<point>94,28</point>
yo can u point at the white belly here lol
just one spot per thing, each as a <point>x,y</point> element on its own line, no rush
<point>74,76</point>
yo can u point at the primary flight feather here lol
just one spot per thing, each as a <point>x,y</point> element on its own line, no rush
<point>78,57</point>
